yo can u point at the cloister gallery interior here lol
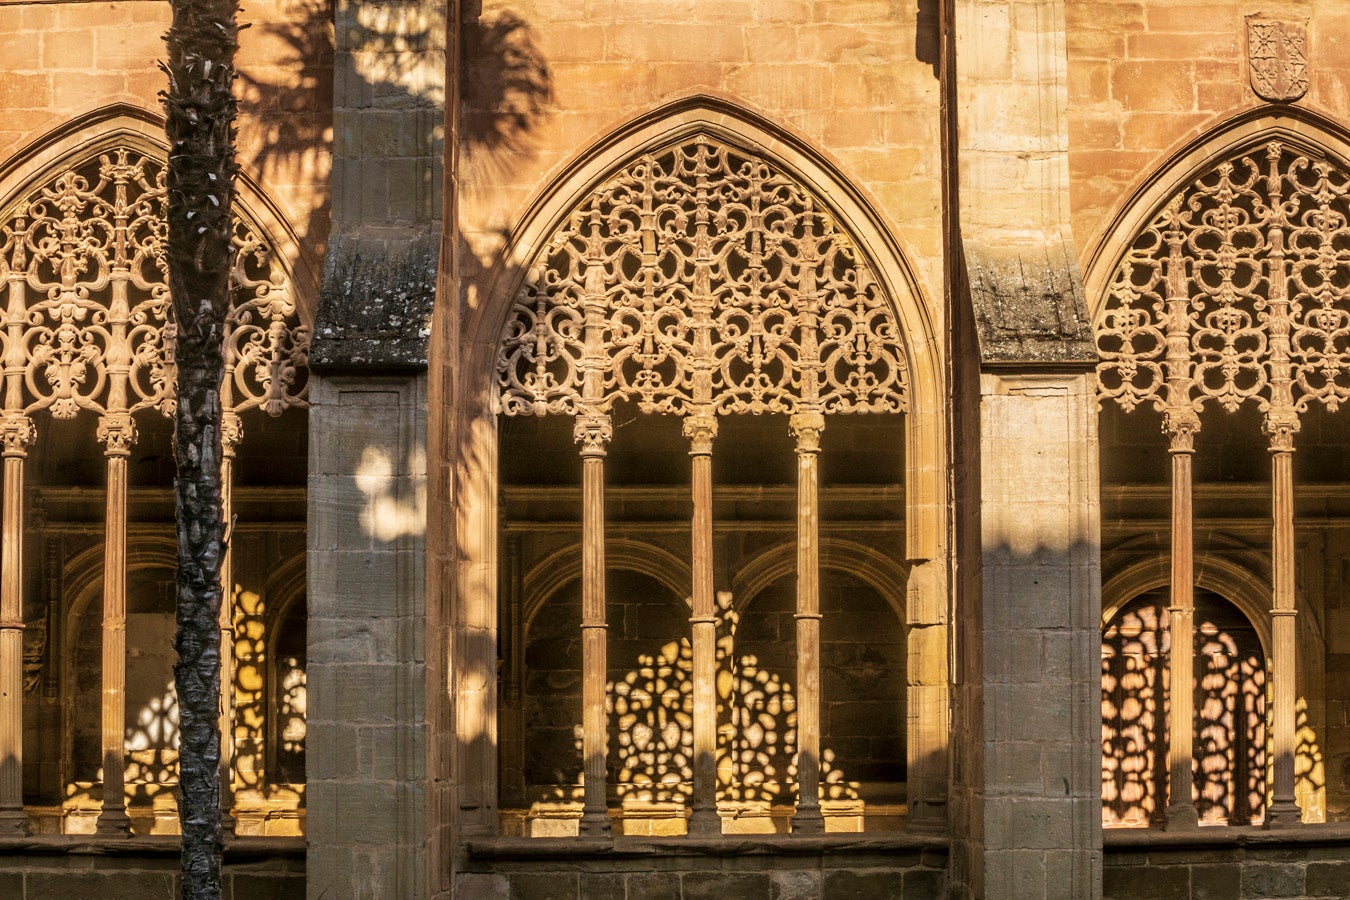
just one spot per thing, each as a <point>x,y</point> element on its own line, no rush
<point>690,449</point>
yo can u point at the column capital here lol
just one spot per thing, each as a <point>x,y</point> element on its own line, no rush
<point>700,429</point>
<point>17,432</point>
<point>593,431</point>
<point>1181,426</point>
<point>1280,426</point>
<point>231,432</point>
<point>117,433</point>
<point>806,427</point>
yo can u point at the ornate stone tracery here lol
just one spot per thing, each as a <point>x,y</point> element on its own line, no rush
<point>1237,291</point>
<point>701,274</point>
<point>87,313</point>
<point>700,281</point>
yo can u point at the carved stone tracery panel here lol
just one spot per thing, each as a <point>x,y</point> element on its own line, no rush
<point>1237,291</point>
<point>87,313</point>
<point>701,276</point>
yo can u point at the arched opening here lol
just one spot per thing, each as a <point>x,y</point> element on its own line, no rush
<point>863,704</point>
<point>87,440</point>
<point>1219,306</point>
<point>702,332</point>
<point>1229,699</point>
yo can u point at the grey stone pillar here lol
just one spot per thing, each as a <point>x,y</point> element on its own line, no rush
<point>1041,614</point>
<point>1026,784</point>
<point>366,742</point>
<point>367,756</point>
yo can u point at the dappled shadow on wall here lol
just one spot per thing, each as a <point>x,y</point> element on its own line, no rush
<point>651,739</point>
<point>1231,740</point>
<point>269,712</point>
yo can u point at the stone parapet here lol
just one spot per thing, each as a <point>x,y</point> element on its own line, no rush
<point>1247,862</point>
<point>789,867</point>
<point>65,866</point>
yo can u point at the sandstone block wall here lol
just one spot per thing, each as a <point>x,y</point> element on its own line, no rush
<point>857,77</point>
<point>1145,76</point>
<point>63,61</point>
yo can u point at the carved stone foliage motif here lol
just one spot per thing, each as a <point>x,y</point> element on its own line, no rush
<point>1275,58</point>
<point>701,277</point>
<point>86,314</point>
<point>1237,291</point>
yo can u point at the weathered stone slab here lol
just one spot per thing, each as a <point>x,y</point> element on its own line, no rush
<point>375,303</point>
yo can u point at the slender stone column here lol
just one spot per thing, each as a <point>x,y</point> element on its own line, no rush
<point>117,432</point>
<point>806,428</point>
<point>703,819</point>
<point>1181,811</point>
<point>17,433</point>
<point>232,432</point>
<point>593,432</point>
<point>1284,809</point>
<point>1281,425</point>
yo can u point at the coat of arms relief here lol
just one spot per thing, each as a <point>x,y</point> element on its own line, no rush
<point>1277,58</point>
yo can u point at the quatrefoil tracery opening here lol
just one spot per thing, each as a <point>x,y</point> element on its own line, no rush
<point>701,278</point>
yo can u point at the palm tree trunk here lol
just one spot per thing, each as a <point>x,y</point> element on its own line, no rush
<point>200,108</point>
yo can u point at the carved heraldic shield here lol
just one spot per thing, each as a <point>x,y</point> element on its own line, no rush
<point>1275,58</point>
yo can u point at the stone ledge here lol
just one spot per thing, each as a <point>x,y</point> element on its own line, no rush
<point>565,848</point>
<point>1225,836</point>
<point>237,849</point>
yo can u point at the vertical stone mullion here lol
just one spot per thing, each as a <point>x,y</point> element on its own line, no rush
<point>1181,812</point>
<point>117,431</point>
<point>17,434</point>
<point>806,428</point>
<point>1284,810</point>
<point>593,432</point>
<point>231,434</point>
<point>703,818</point>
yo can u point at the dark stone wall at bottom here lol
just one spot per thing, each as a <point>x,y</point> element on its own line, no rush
<point>1309,863</point>
<point>742,867</point>
<point>74,867</point>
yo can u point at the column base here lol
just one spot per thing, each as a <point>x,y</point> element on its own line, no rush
<point>1283,814</point>
<point>705,822</point>
<point>595,823</point>
<point>808,820</point>
<point>113,822</point>
<point>1181,817</point>
<point>14,823</point>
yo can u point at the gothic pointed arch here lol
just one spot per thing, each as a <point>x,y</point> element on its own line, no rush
<point>1298,128</point>
<point>142,130</point>
<point>82,252</point>
<point>836,203</point>
<point>88,341</point>
<point>698,263</point>
<point>1222,304</point>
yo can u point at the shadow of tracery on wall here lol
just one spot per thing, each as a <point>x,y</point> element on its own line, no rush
<point>1230,742</point>
<point>650,699</point>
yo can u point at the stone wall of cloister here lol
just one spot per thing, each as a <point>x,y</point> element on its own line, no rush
<point>703,433</point>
